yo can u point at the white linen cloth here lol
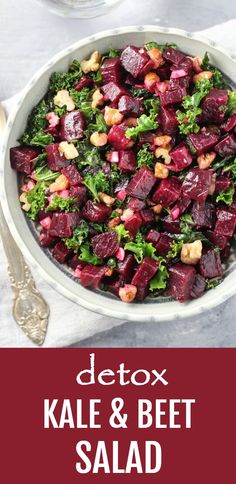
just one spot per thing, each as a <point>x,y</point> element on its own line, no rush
<point>70,323</point>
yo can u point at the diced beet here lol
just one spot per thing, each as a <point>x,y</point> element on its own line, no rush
<point>133,224</point>
<point>174,96</point>
<point>73,125</point>
<point>72,174</point>
<point>212,111</point>
<point>218,240</point>
<point>80,193</point>
<point>197,183</point>
<point>203,215</point>
<point>121,186</point>
<point>186,64</point>
<point>135,62</point>
<point>135,204</point>
<point>62,224</point>
<point>111,70</point>
<point>202,142</point>
<point>130,106</point>
<point>222,183</point>
<point>153,236</point>
<point>96,212</point>
<point>55,160</point>
<point>126,268</point>
<point>182,204</point>
<point>226,223</point>
<point>167,192</point>
<point>181,281</point>
<point>148,216</point>
<point>113,91</point>
<point>225,253</point>
<point>106,244</point>
<point>46,240</point>
<point>146,137</point>
<point>141,183</point>
<point>75,261</point>
<point>198,287</point>
<point>173,55</point>
<point>145,272</point>
<point>60,252</point>
<point>210,264</point>
<point>117,138</point>
<point>168,120</point>
<point>91,276</point>
<point>171,226</point>
<point>181,158</point>
<point>21,158</point>
<point>229,124</point>
<point>127,161</point>
<point>83,82</point>
<point>227,146</point>
<point>163,245</point>
<point>180,83</point>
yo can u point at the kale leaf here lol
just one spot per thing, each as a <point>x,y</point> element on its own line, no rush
<point>227,196</point>
<point>159,281</point>
<point>188,119</point>
<point>96,183</point>
<point>64,204</point>
<point>145,157</point>
<point>86,255</point>
<point>80,235</point>
<point>36,198</point>
<point>141,248</point>
<point>145,123</point>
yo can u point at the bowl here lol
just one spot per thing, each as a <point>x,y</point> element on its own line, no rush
<point>23,231</point>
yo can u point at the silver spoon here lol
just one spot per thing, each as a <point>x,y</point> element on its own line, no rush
<point>30,310</point>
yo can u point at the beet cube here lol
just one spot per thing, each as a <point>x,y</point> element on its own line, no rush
<point>106,244</point>
<point>62,224</point>
<point>146,137</point>
<point>46,240</point>
<point>203,215</point>
<point>141,183</point>
<point>218,240</point>
<point>222,183</point>
<point>181,158</point>
<point>21,158</point>
<point>111,70</point>
<point>210,264</point>
<point>72,125</point>
<point>226,223</point>
<point>174,96</point>
<point>74,262</point>
<point>173,55</point>
<point>83,82</point>
<point>168,191</point>
<point>96,212</point>
<point>212,106</point>
<point>114,283</point>
<point>197,183</point>
<point>55,160</point>
<point>171,226</point>
<point>91,276</point>
<point>227,146</point>
<point>202,142</point>
<point>113,91</point>
<point>72,174</point>
<point>117,138</point>
<point>130,106</point>
<point>126,268</point>
<point>135,204</point>
<point>145,272</point>
<point>133,224</point>
<point>148,216</point>
<point>181,281</point>
<point>127,161</point>
<point>163,245</point>
<point>168,120</point>
<point>60,252</point>
<point>198,287</point>
<point>153,236</point>
<point>135,62</point>
<point>79,192</point>
<point>182,204</point>
<point>229,124</point>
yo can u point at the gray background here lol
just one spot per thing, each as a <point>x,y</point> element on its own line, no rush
<point>29,36</point>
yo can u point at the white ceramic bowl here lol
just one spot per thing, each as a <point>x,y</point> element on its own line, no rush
<point>55,274</point>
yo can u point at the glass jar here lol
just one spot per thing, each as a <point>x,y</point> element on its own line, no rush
<point>80,8</point>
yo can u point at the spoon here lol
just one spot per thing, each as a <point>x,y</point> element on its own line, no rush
<point>30,310</point>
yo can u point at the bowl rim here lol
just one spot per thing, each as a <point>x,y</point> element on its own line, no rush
<point>125,312</point>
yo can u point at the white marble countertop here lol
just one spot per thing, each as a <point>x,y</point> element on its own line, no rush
<point>29,36</point>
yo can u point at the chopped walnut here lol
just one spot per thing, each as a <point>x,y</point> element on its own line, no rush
<point>92,64</point>
<point>68,150</point>
<point>161,171</point>
<point>97,99</point>
<point>112,116</point>
<point>156,56</point>
<point>202,75</point>
<point>23,199</point>
<point>128,293</point>
<point>191,253</point>
<point>162,141</point>
<point>205,160</point>
<point>98,139</point>
<point>107,199</point>
<point>163,153</point>
<point>63,98</point>
<point>61,183</point>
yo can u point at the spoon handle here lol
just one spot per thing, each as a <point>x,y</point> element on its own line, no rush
<point>30,310</point>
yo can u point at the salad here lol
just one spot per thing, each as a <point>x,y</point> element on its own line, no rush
<point>127,167</point>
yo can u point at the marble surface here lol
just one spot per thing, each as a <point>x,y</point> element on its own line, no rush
<point>29,36</point>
